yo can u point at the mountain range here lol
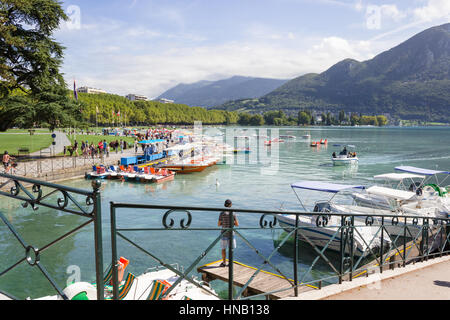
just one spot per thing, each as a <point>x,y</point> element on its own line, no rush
<point>212,93</point>
<point>409,81</point>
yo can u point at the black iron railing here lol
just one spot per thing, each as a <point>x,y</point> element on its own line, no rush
<point>344,247</point>
<point>415,239</point>
<point>34,194</point>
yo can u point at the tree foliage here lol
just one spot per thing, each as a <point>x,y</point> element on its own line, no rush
<point>32,89</point>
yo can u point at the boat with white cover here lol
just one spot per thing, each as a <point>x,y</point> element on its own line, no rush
<point>322,228</point>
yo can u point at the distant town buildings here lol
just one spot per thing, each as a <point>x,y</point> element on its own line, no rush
<point>135,97</point>
<point>164,100</point>
<point>90,90</point>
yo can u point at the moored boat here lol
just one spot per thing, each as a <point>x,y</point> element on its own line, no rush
<point>322,229</point>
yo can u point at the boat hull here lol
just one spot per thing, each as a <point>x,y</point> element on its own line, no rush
<point>324,236</point>
<point>344,161</point>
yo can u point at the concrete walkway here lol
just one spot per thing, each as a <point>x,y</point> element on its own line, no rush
<point>428,283</point>
<point>61,141</point>
<point>429,280</point>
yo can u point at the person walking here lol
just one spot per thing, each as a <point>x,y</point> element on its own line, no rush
<point>224,222</point>
<point>6,159</point>
<point>75,148</point>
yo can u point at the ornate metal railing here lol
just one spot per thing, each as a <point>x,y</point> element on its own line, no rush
<point>401,239</point>
<point>34,194</point>
<point>415,238</point>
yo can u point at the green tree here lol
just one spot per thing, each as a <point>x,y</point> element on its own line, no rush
<point>304,118</point>
<point>354,119</point>
<point>382,120</point>
<point>256,120</point>
<point>29,61</point>
<point>29,57</point>
<point>341,116</point>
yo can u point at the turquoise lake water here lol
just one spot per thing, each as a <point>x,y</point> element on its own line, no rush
<point>248,185</point>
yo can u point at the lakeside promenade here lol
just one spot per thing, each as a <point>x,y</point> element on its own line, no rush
<point>428,280</point>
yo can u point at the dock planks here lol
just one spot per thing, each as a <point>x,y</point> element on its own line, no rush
<point>263,282</point>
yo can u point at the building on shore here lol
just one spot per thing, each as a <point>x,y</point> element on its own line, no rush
<point>136,97</point>
<point>90,90</point>
<point>164,100</point>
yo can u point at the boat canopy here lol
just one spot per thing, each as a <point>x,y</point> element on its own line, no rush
<point>390,193</point>
<point>397,176</point>
<point>324,186</point>
<point>151,141</point>
<point>344,145</point>
<point>426,172</point>
<point>187,146</point>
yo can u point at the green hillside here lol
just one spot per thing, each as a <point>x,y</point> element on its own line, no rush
<point>146,112</point>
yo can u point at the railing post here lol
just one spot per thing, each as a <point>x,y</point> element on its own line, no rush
<point>115,278</point>
<point>425,237</point>
<point>342,250</point>
<point>295,256</point>
<point>351,230</point>
<point>98,239</point>
<point>230,257</point>
<point>382,246</point>
<point>404,242</point>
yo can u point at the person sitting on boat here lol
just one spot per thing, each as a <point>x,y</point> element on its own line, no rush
<point>343,152</point>
<point>224,222</point>
<point>334,155</point>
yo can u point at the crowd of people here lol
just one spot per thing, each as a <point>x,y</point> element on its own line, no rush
<point>100,149</point>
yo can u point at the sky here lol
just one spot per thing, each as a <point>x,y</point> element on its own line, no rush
<point>149,46</point>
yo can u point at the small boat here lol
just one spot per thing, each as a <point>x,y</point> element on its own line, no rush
<point>288,137</point>
<point>344,157</point>
<point>306,136</point>
<point>246,150</point>
<point>314,144</point>
<point>143,287</point>
<point>322,228</point>
<point>97,173</point>
<point>323,141</point>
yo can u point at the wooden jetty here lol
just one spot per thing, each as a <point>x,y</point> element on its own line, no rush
<point>263,282</point>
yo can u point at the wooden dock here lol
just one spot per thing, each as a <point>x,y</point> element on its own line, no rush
<point>263,282</point>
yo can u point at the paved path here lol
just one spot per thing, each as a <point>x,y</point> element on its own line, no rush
<point>61,141</point>
<point>428,280</point>
<point>429,283</point>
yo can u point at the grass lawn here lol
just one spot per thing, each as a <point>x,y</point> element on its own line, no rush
<point>13,142</point>
<point>36,130</point>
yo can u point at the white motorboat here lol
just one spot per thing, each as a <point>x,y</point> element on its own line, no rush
<point>415,199</point>
<point>323,229</point>
<point>345,157</point>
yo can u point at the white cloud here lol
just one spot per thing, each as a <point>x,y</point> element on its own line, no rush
<point>391,11</point>
<point>435,9</point>
<point>153,73</point>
